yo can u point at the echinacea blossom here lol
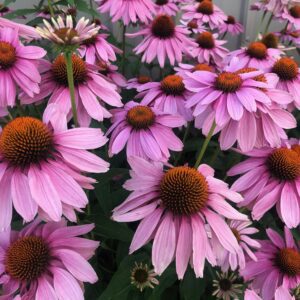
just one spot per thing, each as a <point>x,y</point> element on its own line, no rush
<point>241,231</point>
<point>271,176</point>
<point>98,48</point>
<point>46,261</point>
<point>18,67</point>
<point>209,50</point>
<point>134,83</point>
<point>169,96</point>
<point>256,55</point>
<point>194,26</point>
<point>173,207</point>
<point>292,15</point>
<point>128,10</point>
<point>145,131</point>
<point>168,7</point>
<point>142,277</point>
<point>64,33</point>
<point>182,69</point>
<point>270,40</point>
<point>278,264</point>
<point>227,286</point>
<point>163,39</point>
<point>205,12</point>
<point>288,73</point>
<point>91,89</point>
<point>41,164</point>
<point>231,26</point>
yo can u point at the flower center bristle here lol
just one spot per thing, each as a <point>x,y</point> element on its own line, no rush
<point>295,11</point>
<point>284,164</point>
<point>59,70</point>
<point>66,34</point>
<point>183,191</point>
<point>296,148</point>
<point>161,2</point>
<point>27,258</point>
<point>260,78</point>
<point>173,85</point>
<point>257,50</point>
<point>142,79</point>
<point>202,67</point>
<point>230,20</point>
<point>205,7</point>
<point>225,284</point>
<point>286,68</point>
<point>270,40</point>
<point>206,40</point>
<point>7,55</point>
<point>192,24</point>
<point>163,27</point>
<point>140,117</point>
<point>25,140</point>
<point>288,261</point>
<point>236,234</point>
<point>140,275</point>
<point>228,82</point>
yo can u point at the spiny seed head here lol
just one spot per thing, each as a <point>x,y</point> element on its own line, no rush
<point>183,191</point>
<point>225,284</point>
<point>205,7</point>
<point>24,141</point>
<point>270,40</point>
<point>59,70</point>
<point>173,85</point>
<point>7,55</point>
<point>192,24</point>
<point>163,27</point>
<point>284,164</point>
<point>202,67</point>
<point>230,20</point>
<point>295,11</point>
<point>286,68</point>
<point>140,117</point>
<point>288,261</point>
<point>257,50</point>
<point>228,82</point>
<point>27,258</point>
<point>206,40</point>
<point>142,79</point>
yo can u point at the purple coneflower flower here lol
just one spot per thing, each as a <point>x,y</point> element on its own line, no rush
<point>292,15</point>
<point>231,26</point>
<point>173,207</point>
<point>134,83</point>
<point>168,7</point>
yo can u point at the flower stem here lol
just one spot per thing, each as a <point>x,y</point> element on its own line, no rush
<point>68,56</point>
<point>51,9</point>
<point>205,144</point>
<point>261,22</point>
<point>268,24</point>
<point>123,48</point>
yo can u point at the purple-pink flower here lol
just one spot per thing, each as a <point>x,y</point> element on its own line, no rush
<point>168,7</point>
<point>231,26</point>
<point>145,131</point>
<point>278,264</point>
<point>174,206</point>
<point>163,39</point>
<point>271,176</point>
<point>46,261</point>
<point>41,164</point>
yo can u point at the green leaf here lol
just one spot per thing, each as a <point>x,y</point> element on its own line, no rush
<point>20,12</point>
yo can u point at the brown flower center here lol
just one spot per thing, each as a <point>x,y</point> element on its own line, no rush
<point>173,85</point>
<point>90,41</point>
<point>236,234</point>
<point>140,275</point>
<point>205,8</point>
<point>183,191</point>
<point>206,40</point>
<point>25,140</point>
<point>27,258</point>
<point>192,24</point>
<point>261,78</point>
<point>288,261</point>
<point>225,284</point>
<point>59,70</point>
<point>202,67</point>
<point>163,27</point>
<point>230,20</point>
<point>66,34</point>
<point>142,79</point>
<point>286,68</point>
<point>295,11</point>
<point>228,82</point>
<point>7,55</point>
<point>284,164</point>
<point>270,40</point>
<point>161,2</point>
<point>140,117</point>
<point>257,50</point>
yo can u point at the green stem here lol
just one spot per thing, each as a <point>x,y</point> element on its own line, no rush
<point>51,9</point>
<point>223,36</point>
<point>123,49</point>
<point>268,24</point>
<point>186,133</point>
<point>205,144</point>
<point>261,22</point>
<point>10,116</point>
<point>68,56</point>
<point>91,5</point>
